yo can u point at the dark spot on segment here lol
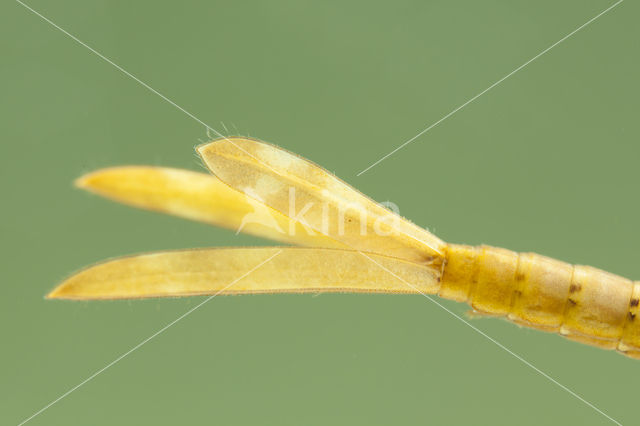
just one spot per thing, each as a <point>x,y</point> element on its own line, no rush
<point>572,302</point>
<point>632,316</point>
<point>634,302</point>
<point>520,277</point>
<point>574,287</point>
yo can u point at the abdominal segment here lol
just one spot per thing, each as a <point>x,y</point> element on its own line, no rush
<point>580,302</point>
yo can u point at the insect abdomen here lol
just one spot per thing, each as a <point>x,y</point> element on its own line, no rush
<point>580,302</point>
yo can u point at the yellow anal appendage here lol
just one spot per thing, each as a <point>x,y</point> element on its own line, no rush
<point>580,302</point>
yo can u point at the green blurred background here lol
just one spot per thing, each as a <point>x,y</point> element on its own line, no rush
<point>544,162</point>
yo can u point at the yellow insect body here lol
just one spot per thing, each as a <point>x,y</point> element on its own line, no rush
<point>580,302</point>
<point>352,244</point>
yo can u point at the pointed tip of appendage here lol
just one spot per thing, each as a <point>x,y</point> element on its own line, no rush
<point>56,293</point>
<point>82,182</point>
